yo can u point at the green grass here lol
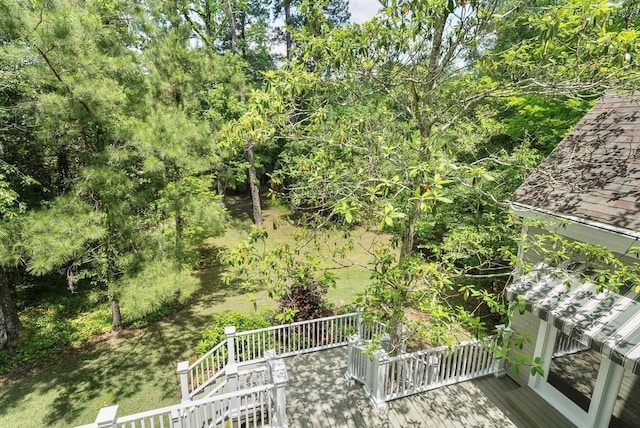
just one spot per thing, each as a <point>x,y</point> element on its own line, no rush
<point>137,369</point>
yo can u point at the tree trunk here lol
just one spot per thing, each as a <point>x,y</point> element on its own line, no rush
<point>9,322</point>
<point>409,234</point>
<point>179,224</point>
<point>243,24</point>
<point>208,13</point>
<point>232,27</point>
<point>63,166</point>
<point>396,336</point>
<point>287,21</point>
<point>220,186</point>
<point>253,187</point>
<point>116,315</point>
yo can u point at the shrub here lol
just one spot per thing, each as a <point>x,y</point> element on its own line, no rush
<point>304,301</point>
<point>242,322</point>
<point>52,328</point>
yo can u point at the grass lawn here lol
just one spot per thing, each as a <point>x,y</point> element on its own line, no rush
<point>137,369</point>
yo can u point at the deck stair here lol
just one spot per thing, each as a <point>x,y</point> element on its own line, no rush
<point>249,376</point>
<point>535,410</point>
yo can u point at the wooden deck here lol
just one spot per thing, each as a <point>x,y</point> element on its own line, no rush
<point>319,396</point>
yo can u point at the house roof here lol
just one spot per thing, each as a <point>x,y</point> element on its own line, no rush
<point>594,172</point>
<point>607,322</point>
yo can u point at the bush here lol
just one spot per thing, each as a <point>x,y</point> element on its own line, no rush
<point>53,328</point>
<point>90,324</point>
<point>242,322</point>
<point>304,302</point>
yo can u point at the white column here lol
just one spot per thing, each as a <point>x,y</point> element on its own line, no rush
<point>107,417</point>
<point>544,349</point>
<point>605,393</point>
<point>230,333</point>
<point>183,372</point>
<point>269,354</point>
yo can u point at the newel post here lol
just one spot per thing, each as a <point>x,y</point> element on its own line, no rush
<point>280,379</point>
<point>231,371</point>
<point>351,357</point>
<point>360,332</point>
<point>183,373</point>
<point>107,417</point>
<point>378,375</point>
<point>175,419</point>
<point>230,333</point>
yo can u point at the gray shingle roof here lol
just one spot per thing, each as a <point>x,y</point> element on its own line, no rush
<point>594,172</point>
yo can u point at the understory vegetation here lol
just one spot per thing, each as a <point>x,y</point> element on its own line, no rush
<point>373,161</point>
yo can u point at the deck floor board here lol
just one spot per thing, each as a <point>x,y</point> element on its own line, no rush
<point>319,395</point>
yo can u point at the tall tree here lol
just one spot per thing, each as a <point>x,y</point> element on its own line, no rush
<point>132,150</point>
<point>9,322</point>
<point>310,14</point>
<point>415,63</point>
<point>239,32</point>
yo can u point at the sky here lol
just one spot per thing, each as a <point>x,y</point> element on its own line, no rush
<point>363,10</point>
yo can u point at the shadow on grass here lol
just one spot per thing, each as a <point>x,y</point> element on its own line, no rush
<point>136,370</point>
<point>239,208</point>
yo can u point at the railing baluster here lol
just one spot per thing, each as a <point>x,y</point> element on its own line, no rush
<point>486,360</point>
<point>471,365</point>
<point>482,359</point>
<point>476,350</point>
<point>464,361</point>
<point>288,339</point>
<point>473,359</point>
<point>461,358</point>
<point>299,328</point>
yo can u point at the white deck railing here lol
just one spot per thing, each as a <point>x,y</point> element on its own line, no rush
<point>256,396</point>
<point>566,345</point>
<point>250,407</point>
<point>296,338</point>
<point>387,378</point>
<point>358,360</point>
<point>417,372</point>
<point>248,347</point>
<point>206,369</point>
<point>245,379</point>
<point>243,404</point>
